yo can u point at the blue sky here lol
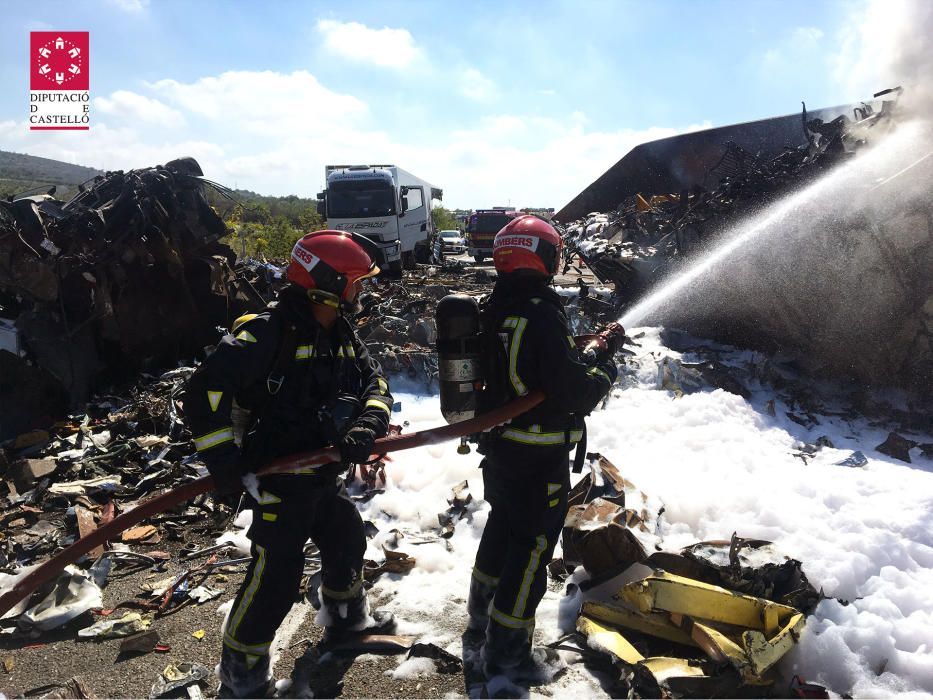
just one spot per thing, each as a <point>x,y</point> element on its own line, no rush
<point>523,104</point>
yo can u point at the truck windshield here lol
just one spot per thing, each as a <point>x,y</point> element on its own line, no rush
<point>354,199</point>
<point>488,223</point>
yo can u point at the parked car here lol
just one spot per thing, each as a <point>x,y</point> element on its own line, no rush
<point>453,242</point>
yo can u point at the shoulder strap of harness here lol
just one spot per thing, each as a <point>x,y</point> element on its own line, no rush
<point>284,357</point>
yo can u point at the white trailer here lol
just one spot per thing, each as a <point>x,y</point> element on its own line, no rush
<point>386,204</point>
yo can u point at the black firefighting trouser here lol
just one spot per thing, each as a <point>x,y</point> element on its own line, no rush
<point>529,504</point>
<point>291,509</point>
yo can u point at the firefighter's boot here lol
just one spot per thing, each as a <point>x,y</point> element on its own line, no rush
<point>244,675</point>
<point>508,652</point>
<point>343,619</point>
<point>481,595</point>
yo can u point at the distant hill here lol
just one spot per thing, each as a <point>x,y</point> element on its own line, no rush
<point>20,172</point>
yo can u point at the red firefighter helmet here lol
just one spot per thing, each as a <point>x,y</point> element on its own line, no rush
<point>329,263</point>
<point>527,245</point>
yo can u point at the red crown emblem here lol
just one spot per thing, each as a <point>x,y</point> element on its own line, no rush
<point>58,61</point>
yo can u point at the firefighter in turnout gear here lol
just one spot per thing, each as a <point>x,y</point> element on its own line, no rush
<point>308,381</point>
<point>526,472</point>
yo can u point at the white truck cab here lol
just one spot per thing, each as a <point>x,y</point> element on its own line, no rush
<point>386,204</point>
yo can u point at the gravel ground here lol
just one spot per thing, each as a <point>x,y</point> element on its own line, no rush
<point>54,658</point>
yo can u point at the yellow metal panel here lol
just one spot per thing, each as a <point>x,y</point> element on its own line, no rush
<point>654,624</point>
<point>677,594</point>
<point>664,667</point>
<point>602,638</point>
<point>764,653</point>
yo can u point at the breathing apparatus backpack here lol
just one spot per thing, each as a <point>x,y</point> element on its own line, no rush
<point>459,356</point>
<point>471,361</point>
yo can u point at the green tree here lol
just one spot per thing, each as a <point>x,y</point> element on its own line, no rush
<point>309,220</point>
<point>444,219</point>
<point>281,237</point>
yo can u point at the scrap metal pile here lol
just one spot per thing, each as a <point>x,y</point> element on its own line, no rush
<point>130,275</point>
<point>833,271</point>
<point>632,245</point>
<point>716,622</point>
<point>711,620</point>
<point>127,275</point>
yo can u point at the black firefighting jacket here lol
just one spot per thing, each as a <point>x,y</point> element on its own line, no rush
<point>532,348</point>
<point>293,376</point>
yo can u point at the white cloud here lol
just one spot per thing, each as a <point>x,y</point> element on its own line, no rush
<point>131,6</point>
<point>134,107</point>
<point>386,47</point>
<point>264,102</point>
<point>476,86</point>
<point>274,132</point>
<point>107,147</point>
<point>794,48</point>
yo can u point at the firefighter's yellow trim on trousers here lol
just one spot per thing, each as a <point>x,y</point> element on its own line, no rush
<point>552,488</point>
<point>349,594</point>
<point>383,386</point>
<point>218,437</point>
<point>270,517</point>
<point>257,649</point>
<point>534,561</point>
<point>529,437</point>
<point>485,578</point>
<point>213,398</point>
<point>553,502</point>
<point>303,352</point>
<point>511,621</point>
<point>519,324</point>
<point>247,600</point>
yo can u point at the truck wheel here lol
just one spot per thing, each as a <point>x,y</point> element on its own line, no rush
<point>479,258</point>
<point>408,260</point>
<point>423,254</point>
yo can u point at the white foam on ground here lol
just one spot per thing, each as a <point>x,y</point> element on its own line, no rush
<point>412,668</point>
<point>719,464</point>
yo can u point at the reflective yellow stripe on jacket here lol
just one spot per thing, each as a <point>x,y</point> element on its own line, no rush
<point>536,437</point>
<point>518,324</point>
<point>218,437</point>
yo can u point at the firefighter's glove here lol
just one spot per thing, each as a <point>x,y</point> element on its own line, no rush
<point>613,336</point>
<point>226,468</point>
<point>356,446</point>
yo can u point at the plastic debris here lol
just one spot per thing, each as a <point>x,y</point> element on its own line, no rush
<point>854,460</point>
<point>178,676</point>
<point>202,594</point>
<point>131,623</point>
<point>73,594</point>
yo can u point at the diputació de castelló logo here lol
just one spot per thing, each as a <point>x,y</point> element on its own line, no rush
<point>59,81</point>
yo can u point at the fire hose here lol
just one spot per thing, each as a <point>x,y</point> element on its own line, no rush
<point>50,569</point>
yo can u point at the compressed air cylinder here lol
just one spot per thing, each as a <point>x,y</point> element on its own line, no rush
<point>458,356</point>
